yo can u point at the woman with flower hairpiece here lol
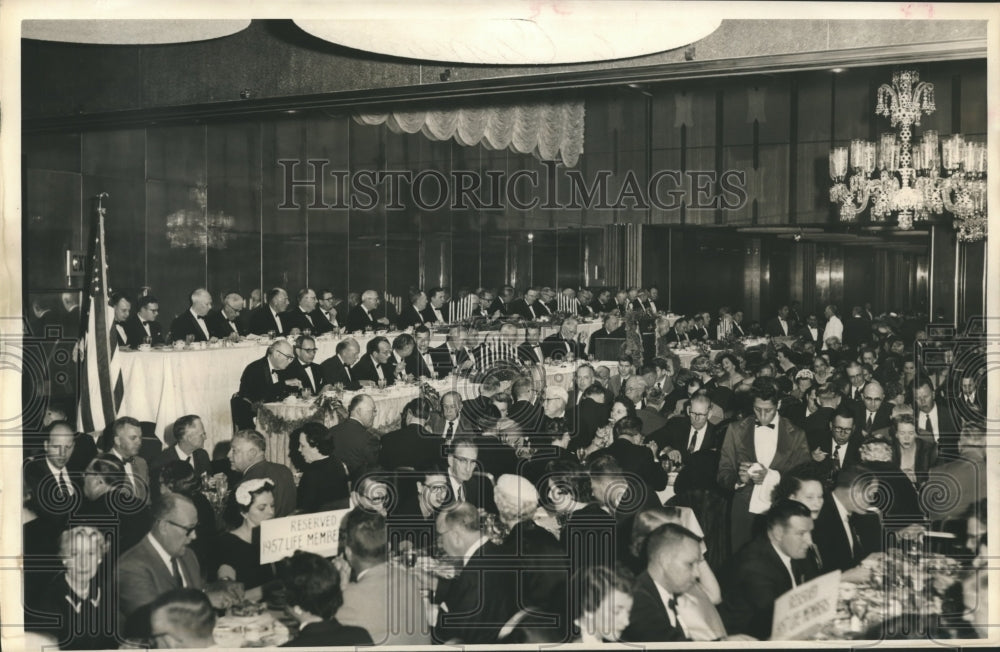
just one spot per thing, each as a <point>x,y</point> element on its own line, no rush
<point>238,551</point>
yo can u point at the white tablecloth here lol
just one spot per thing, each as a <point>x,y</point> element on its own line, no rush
<point>164,384</point>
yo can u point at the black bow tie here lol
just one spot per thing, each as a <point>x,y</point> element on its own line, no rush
<point>201,317</point>
<point>144,323</point>
<point>758,424</point>
<point>274,371</point>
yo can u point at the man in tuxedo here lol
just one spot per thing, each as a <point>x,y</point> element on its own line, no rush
<point>420,363</point>
<point>327,306</point>
<point>303,368</point>
<point>525,306</point>
<point>476,604</point>
<point>563,345</point>
<point>163,561</point>
<point>337,369</point>
<point>306,316</point>
<point>403,346</point>
<point>123,439</point>
<point>684,436</point>
<point>191,322</point>
<point>374,366</point>
<point>353,442</point>
<point>613,331</point>
<point>874,413</point>
<point>603,303</point>
<point>768,567</point>
<point>634,389</point>
<point>246,454</point>
<point>834,327</point>
<point>652,297</point>
<point>678,333</point>
<point>530,350</point>
<point>811,332</point>
<point>698,330</point>
<point>754,448</point>
<point>934,419</point>
<point>780,325</point>
<point>262,380</point>
<point>584,304</point>
<point>413,313</point>
<point>268,318</point>
<point>123,308</point>
<point>452,356</point>
<point>436,311</point>
<point>225,322</point>
<point>500,306</point>
<point>738,329</point>
<point>365,315</point>
<point>635,458</point>
<point>142,323</point>
<point>189,431</point>
<point>846,531</point>
<point>857,330</point>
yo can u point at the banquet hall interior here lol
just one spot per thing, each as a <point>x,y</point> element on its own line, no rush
<point>641,261</point>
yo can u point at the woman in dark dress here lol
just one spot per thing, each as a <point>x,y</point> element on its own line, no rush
<point>78,606</point>
<point>238,551</point>
<point>324,479</point>
<point>312,586</point>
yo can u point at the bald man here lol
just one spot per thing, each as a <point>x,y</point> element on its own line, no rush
<point>366,314</point>
<point>225,321</point>
<point>192,321</point>
<point>261,380</point>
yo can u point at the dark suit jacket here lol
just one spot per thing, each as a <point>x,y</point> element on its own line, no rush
<point>411,446</point>
<point>334,372</point>
<point>773,327</point>
<point>430,317</point>
<point>677,433</point>
<point>284,485</point>
<point>501,305</point>
<point>323,486</point>
<point>183,325</point>
<point>651,419</point>
<point>585,310</point>
<point>617,335</point>
<point>806,335</point>
<point>479,410</point>
<point>831,538</point>
<point>256,383</point>
<point>295,318</point>
<point>758,579</point>
<point>442,359</point>
<point>142,576</point>
<point>330,633</point>
<point>201,462</point>
<point>605,306</point>
<point>416,365</point>
<point>410,317</point>
<point>218,325</point>
<point>947,438</point>
<point>261,321</point>
<point>480,600</point>
<point>648,621</point>
<point>555,346</point>
<point>542,567</point>
<point>673,336</point>
<point>364,369</point>
<point>857,332</point>
<point>359,320</point>
<point>136,333</point>
<point>639,461</point>
<point>47,503</point>
<point>526,353</point>
<point>883,417</point>
<point>355,446</point>
<point>296,369</point>
<point>521,307</point>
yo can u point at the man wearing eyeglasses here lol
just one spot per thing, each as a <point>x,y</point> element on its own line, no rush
<point>875,413</point>
<point>841,448</point>
<point>163,561</point>
<point>309,374</point>
<point>683,436</point>
<point>262,379</point>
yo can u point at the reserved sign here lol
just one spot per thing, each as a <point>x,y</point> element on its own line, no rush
<point>318,533</point>
<point>805,607</point>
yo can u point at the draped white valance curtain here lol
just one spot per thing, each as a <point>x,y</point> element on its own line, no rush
<point>550,131</point>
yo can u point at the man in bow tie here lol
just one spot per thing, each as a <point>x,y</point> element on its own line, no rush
<point>123,440</point>
<point>327,301</point>
<point>754,454</point>
<point>191,322</point>
<point>123,308</point>
<point>225,322</point>
<point>420,363</point>
<point>306,316</point>
<point>142,323</point>
<point>268,317</point>
<point>262,379</point>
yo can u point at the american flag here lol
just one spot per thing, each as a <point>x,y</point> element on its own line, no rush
<point>101,387</point>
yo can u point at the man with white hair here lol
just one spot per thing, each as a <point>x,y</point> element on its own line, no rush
<point>366,315</point>
<point>554,405</point>
<point>267,318</point>
<point>563,345</point>
<point>192,320</point>
<point>225,322</point>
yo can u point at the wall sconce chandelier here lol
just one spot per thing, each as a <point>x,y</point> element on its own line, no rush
<point>911,181</point>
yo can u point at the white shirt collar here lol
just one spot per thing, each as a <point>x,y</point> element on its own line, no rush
<point>193,313</point>
<point>181,455</point>
<point>58,473</point>
<point>666,596</point>
<point>479,543</point>
<point>164,556</point>
<point>786,560</point>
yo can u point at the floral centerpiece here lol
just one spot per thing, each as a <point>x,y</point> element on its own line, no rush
<point>328,407</point>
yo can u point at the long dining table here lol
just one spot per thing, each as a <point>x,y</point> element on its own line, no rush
<point>166,383</point>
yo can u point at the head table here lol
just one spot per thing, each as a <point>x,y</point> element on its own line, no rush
<point>164,384</point>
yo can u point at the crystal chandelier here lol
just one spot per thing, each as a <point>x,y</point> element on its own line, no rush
<point>911,180</point>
